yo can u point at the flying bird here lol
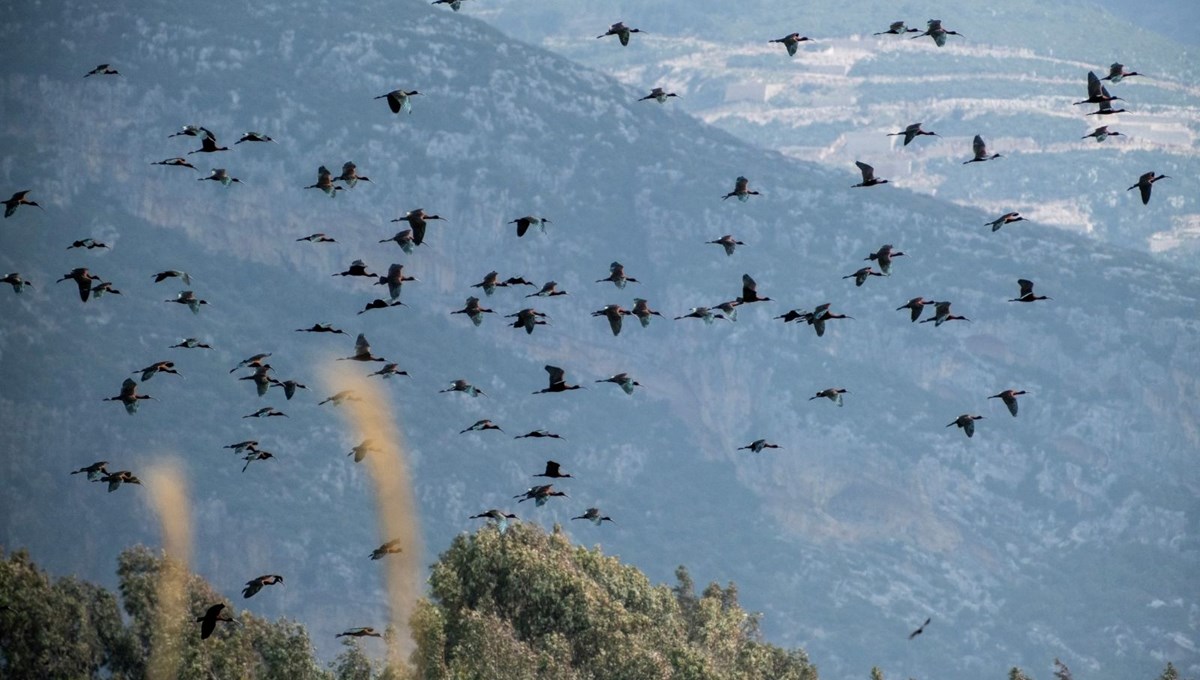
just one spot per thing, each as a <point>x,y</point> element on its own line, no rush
<point>528,319</point>
<point>1026,294</point>
<point>1102,133</point>
<point>791,42</point>
<point>325,182</point>
<point>157,367</point>
<point>88,243</point>
<point>481,425</point>
<point>93,471</point>
<point>1144,183</point>
<point>191,343</point>
<point>1009,397</point>
<point>833,394</point>
<point>623,380</point>
<point>937,32</point>
<point>394,280</point>
<point>548,289</point>
<point>1096,92</point>
<point>558,381</point>
<point>758,445</point>
<point>860,277</point>
<point>897,28</point>
<point>389,370</point>
<point>461,385</point>
<point>473,310</point>
<point>539,434</point>
<point>524,223</point>
<point>399,100</point>
<point>613,313</point>
<point>621,31</point>
<point>540,494</point>
<point>360,453</point>
<point>320,238</point>
<point>173,274</point>
<point>750,291</point>
<point>392,547</point>
<point>106,70</point>
<point>187,297</point>
<point>868,176</point>
<point>659,95</point>
<point>912,131</point>
<point>18,284</point>
<point>257,584</point>
<point>266,412</point>
<point>321,328</point>
<point>208,144</point>
<point>129,396</point>
<point>357,268</point>
<point>916,306</point>
<point>362,351</point>
<point>289,387</point>
<point>641,309</point>
<point>222,176</point>
<point>741,190</point>
<point>350,175</point>
<point>967,423</point>
<point>884,257</point>
<point>1105,105</point>
<point>1006,218</point>
<point>366,631</point>
<point>251,362</point>
<point>417,220</point>
<point>253,137</point>
<point>1117,72</point>
<point>340,398</point>
<point>116,479</point>
<point>981,153</point>
<point>728,242</point>
<point>553,471</point>
<point>18,199</point>
<point>703,313</point>
<point>919,630</point>
<point>941,314</point>
<point>593,515</point>
<point>176,162</point>
<point>208,622</point>
<point>616,274</point>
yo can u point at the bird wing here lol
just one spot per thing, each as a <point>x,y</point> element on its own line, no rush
<point>868,173</point>
<point>1026,287</point>
<point>361,346</point>
<point>1094,86</point>
<point>979,146</point>
<point>557,375</point>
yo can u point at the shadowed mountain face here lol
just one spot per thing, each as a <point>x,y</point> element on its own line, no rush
<point>1068,531</point>
<point>1012,76</point>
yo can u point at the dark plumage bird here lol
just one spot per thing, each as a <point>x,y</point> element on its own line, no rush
<point>251,362</point>
<point>454,4</point>
<point>659,95</point>
<point>399,100</point>
<point>1009,397</point>
<point>613,313</point>
<point>256,455</point>
<point>553,471</point>
<point>539,434</point>
<point>558,382</point>
<point>622,32</point>
<point>897,28</point>
<point>936,32</point>
<point>187,297</point>
<point>220,175</point>
<point>176,162</point>
<point>833,394</point>
<point>967,422</point>
<point>172,274</point>
<point>357,268</point>
<point>524,223</point>
<point>208,622</point>
<point>728,242</point>
<point>116,479</point>
<point>912,131</point>
<point>88,243</point>
<point>461,385</point>
<point>498,516</point>
<point>750,291</point>
<point>362,351</point>
<point>289,387</point>
<point>94,471</point>
<point>191,343</point>
<point>860,277</point>
<point>1117,72</point>
<point>392,547</point>
<point>868,176</point>
<point>703,313</point>
<point>365,631</point>
<point>758,445</point>
<point>1102,133</point>
<point>884,257</point>
<point>1105,107</point>
<point>624,381</point>
<point>1096,92</point>
<point>540,494</point>
<point>548,289</point>
<point>1144,183</point>
<point>257,584</point>
<point>741,190</point>
<point>616,274</point>
<point>395,280</point>
<point>916,305</point>
<point>340,398</point>
<point>981,153</point>
<point>1006,218</point>
<point>593,515</point>
<point>241,448</point>
<point>489,284</point>
<point>919,630</point>
<point>325,182</point>
<point>103,288</point>
<point>18,199</point>
<point>791,42</point>
<point>404,239</point>
<point>418,221</point>
<point>193,131</point>
<point>319,238</point>
<point>266,412</point>
<point>253,137</point>
<point>389,370</point>
<point>157,367</point>
<point>641,309</point>
<point>360,453</point>
<point>820,315</point>
<point>473,310</point>
<point>129,396</point>
<point>481,425</point>
<point>941,314</point>
<point>18,284</point>
<point>262,379</point>
<point>1026,294</point>
<point>208,144</point>
<point>83,280</point>
<point>106,70</point>
<point>321,328</point>
<point>528,319</point>
<point>350,175</point>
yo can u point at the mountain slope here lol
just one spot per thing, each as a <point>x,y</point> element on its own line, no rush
<point>1068,531</point>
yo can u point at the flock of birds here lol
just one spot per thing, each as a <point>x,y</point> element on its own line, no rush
<point>90,286</point>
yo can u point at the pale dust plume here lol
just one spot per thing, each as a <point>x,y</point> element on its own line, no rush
<point>164,482</point>
<point>395,505</point>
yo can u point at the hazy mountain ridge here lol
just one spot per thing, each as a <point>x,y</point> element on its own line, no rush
<point>877,499</point>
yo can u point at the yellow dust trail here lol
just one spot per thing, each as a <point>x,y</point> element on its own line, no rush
<point>394,501</point>
<point>164,482</point>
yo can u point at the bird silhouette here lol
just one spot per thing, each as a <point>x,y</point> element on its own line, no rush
<point>860,277</point>
<point>256,455</point>
<point>1096,92</point>
<point>392,547</point>
<point>208,144</point>
<point>524,223</point>
<point>703,313</point>
<point>360,453</point>
<point>418,221</point>
<point>967,423</point>
<point>833,394</point>
<point>379,303</point>
<point>941,314</point>
<point>187,297</point>
<point>129,396</point>
<point>558,381</point>
<point>916,306</point>
<point>262,379</point>
<point>750,291</point>
<point>350,175</point>
<point>621,31</point>
<point>528,319</point>
<point>157,367</point>
<point>758,445</point>
<point>473,310</point>
<point>255,585</point>
<point>106,70</point>
<point>17,200</point>
<point>593,515</point>
<point>1026,294</point>
<point>399,100</point>
<point>88,243</point>
<point>616,274</point>
<point>321,328</point>
<point>659,95</point>
<point>1104,106</point>
<point>220,175</point>
<point>897,28</point>
<point>884,257</point>
<point>728,242</point>
<point>499,517</point>
<point>266,412</point>
<point>613,313</point>
<point>340,398</point>
<point>357,268</point>
<point>1006,218</point>
<point>540,494</point>
<point>394,280</point>
<point>622,380</point>
<point>481,425</point>
<point>868,176</point>
<point>325,183</point>
<point>461,385</point>
<point>539,434</point>
<point>93,471</point>
<point>913,131</point>
<point>937,32</point>
<point>173,274</point>
<point>791,42</point>
<point>251,362</point>
<point>389,370</point>
<point>208,622</point>
<point>18,283</point>
<point>1009,397</point>
<point>319,238</point>
<point>191,343</point>
<point>1144,183</point>
<point>1117,73</point>
<point>919,630</point>
<point>641,309</point>
<point>548,289</point>
<point>741,190</point>
<point>365,631</point>
<point>83,280</point>
<point>362,351</point>
<point>176,162</point>
<point>253,137</point>
<point>981,153</point>
<point>116,479</point>
<point>553,471</point>
<point>1102,133</point>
